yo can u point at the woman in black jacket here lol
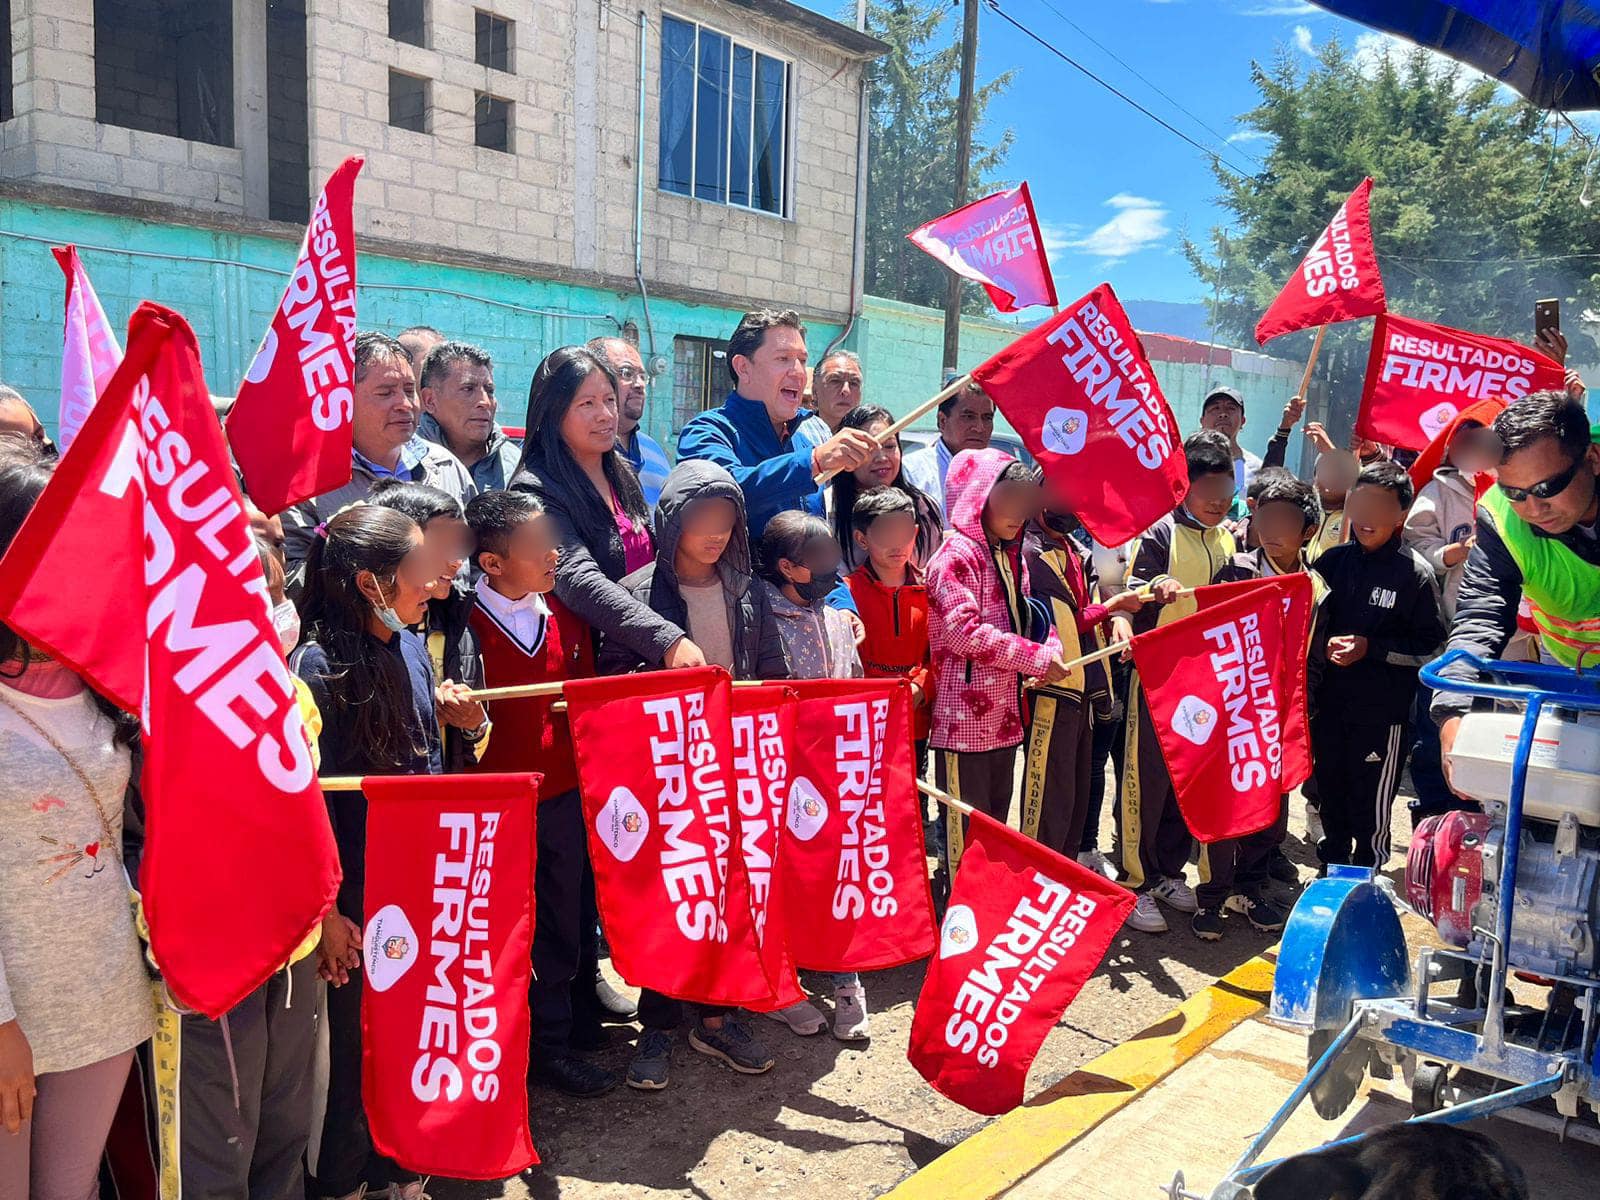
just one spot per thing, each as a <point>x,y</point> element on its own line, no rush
<point>570,462</point>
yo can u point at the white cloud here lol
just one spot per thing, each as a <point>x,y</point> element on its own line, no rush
<point>1058,237</point>
<point>1249,135</point>
<point>1282,8</point>
<point>1139,224</point>
<point>1302,39</point>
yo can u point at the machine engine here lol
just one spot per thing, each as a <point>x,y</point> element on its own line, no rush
<point>1453,868</point>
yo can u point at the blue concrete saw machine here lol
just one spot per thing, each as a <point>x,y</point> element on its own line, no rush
<point>1513,895</point>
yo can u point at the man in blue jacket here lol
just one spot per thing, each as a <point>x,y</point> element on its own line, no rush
<point>755,434</point>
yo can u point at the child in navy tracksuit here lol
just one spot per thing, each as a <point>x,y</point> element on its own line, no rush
<point>1383,621</point>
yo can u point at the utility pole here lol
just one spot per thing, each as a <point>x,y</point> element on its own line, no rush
<point>969,71</point>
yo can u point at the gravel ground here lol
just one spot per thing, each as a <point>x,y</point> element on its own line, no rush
<point>836,1120</point>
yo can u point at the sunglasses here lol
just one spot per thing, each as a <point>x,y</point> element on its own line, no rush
<point>1545,488</point>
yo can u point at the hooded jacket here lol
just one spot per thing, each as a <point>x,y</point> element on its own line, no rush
<point>818,640</point>
<point>491,473</point>
<point>896,620</point>
<point>979,656</point>
<point>1445,511</point>
<point>757,648</point>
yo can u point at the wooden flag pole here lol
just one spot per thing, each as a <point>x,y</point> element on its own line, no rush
<point>341,783</point>
<point>949,801</point>
<point>904,422</point>
<point>518,692</point>
<point>560,706</point>
<point>1311,363</point>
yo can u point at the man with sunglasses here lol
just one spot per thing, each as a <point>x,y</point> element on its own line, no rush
<point>643,452</point>
<point>1538,534</point>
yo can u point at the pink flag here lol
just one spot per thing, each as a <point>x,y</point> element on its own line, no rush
<point>89,351</point>
<point>996,242</point>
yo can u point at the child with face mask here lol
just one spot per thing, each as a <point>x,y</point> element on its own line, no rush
<point>369,575</point>
<point>800,561</point>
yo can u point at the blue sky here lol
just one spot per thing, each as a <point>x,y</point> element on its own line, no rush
<point>1115,190</point>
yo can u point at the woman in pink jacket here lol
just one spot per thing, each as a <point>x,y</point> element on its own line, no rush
<point>979,623</point>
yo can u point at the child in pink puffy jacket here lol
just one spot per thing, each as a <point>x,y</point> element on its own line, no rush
<point>978,626</point>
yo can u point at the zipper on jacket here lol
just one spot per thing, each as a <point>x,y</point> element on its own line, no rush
<point>895,606</point>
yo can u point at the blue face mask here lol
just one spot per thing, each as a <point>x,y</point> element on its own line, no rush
<point>386,613</point>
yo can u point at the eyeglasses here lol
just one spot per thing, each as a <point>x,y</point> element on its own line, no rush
<point>630,374</point>
<point>1545,488</point>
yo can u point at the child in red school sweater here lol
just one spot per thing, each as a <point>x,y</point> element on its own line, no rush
<point>523,636</point>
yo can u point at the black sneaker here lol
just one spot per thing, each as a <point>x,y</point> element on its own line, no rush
<point>1207,924</point>
<point>652,1061</point>
<point>573,1075</point>
<point>1262,913</point>
<point>734,1045</point>
<point>1281,869</point>
<point>588,1035</point>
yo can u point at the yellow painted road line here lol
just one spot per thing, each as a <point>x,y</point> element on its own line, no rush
<point>1014,1146</point>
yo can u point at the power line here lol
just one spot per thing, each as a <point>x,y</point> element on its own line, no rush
<point>1213,155</point>
<point>1137,74</point>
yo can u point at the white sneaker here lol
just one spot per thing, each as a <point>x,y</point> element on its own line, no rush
<point>850,1013</point>
<point>801,1017</point>
<point>1099,864</point>
<point>1146,915</point>
<point>1176,894</point>
<point>1314,832</point>
<point>409,1191</point>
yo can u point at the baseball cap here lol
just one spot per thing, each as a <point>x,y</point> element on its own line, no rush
<point>1221,393</point>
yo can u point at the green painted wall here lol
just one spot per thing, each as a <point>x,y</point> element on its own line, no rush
<point>226,286</point>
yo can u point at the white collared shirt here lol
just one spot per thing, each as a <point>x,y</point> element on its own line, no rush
<point>523,620</point>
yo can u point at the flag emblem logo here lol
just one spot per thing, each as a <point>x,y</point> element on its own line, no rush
<point>959,933</point>
<point>1194,720</point>
<point>622,824</point>
<point>1065,430</point>
<point>808,811</point>
<point>391,947</point>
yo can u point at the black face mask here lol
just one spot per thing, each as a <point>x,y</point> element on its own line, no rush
<point>1061,523</point>
<point>819,587</point>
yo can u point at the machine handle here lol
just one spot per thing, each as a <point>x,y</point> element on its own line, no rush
<point>1552,684</point>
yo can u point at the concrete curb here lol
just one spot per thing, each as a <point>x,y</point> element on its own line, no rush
<point>1014,1146</point>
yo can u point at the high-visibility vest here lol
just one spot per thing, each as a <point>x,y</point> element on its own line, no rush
<point>1563,589</point>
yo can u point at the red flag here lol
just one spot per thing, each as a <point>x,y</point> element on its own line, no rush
<point>290,424</point>
<point>1025,928</point>
<point>444,1013</point>
<point>1338,280</point>
<point>89,351</point>
<point>1420,377</point>
<point>235,821</point>
<point>655,766</point>
<point>763,743</point>
<point>1296,593</point>
<point>1082,395</point>
<point>996,242</point>
<point>1213,683</point>
<point>855,874</point>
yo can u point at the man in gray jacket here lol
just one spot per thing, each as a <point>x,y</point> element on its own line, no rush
<point>456,383</point>
<point>383,430</point>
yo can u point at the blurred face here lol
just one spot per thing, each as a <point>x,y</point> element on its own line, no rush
<point>632,384</point>
<point>820,556</point>
<point>1225,417</point>
<point>1336,475</point>
<point>775,375</point>
<point>1281,530</point>
<point>1373,514</point>
<point>1209,498</point>
<point>1011,505</point>
<point>889,540</point>
<point>450,539</point>
<point>589,427</point>
<point>970,424</point>
<point>1545,462</point>
<point>883,468</point>
<point>707,529</point>
<point>1474,449</point>
<point>463,403</point>
<point>385,413</point>
<point>836,389</point>
<point>529,563</point>
<point>275,578</point>
<point>412,586</point>
<point>17,417</point>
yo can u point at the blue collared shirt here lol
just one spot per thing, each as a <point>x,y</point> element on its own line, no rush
<point>649,462</point>
<point>411,456</point>
<point>773,471</point>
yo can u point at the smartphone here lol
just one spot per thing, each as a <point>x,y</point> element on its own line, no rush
<point>1546,315</point>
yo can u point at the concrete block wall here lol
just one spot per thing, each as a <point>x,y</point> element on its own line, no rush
<point>54,137</point>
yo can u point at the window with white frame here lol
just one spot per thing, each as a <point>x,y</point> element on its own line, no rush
<point>724,118</point>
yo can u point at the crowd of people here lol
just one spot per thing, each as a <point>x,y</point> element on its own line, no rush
<point>456,559</point>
